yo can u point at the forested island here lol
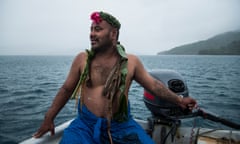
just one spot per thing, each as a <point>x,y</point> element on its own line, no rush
<point>222,44</point>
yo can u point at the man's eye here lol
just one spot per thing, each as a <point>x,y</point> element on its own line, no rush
<point>98,28</point>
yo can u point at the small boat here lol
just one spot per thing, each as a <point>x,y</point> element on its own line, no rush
<point>165,124</point>
<point>161,133</point>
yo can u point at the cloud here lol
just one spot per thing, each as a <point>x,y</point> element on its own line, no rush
<point>62,27</point>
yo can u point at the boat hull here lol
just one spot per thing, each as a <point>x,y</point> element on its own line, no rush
<point>182,135</point>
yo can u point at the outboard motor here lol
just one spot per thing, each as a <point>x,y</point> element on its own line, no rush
<point>159,107</point>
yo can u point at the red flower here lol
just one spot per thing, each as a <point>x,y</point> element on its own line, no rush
<point>95,17</point>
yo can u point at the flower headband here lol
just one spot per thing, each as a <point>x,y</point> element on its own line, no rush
<point>97,17</point>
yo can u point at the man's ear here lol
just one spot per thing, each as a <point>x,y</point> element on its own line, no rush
<point>114,33</point>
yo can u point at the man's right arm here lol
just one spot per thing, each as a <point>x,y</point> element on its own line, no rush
<point>62,96</point>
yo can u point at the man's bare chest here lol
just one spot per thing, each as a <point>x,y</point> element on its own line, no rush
<point>100,72</point>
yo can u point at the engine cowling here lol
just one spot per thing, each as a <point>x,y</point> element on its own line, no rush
<point>173,81</point>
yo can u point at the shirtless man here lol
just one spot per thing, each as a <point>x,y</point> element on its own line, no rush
<point>102,78</point>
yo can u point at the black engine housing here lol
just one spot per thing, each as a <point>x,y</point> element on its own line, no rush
<point>173,81</point>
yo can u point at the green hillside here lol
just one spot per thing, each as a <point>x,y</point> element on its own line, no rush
<point>223,44</point>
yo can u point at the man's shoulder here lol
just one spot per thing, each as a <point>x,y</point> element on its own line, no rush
<point>129,55</point>
<point>132,57</point>
<point>133,61</point>
<point>81,56</point>
<point>80,59</point>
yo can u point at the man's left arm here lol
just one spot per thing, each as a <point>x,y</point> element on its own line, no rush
<point>157,88</point>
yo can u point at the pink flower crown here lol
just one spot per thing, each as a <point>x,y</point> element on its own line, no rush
<point>97,17</point>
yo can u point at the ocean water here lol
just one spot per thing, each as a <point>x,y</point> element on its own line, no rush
<point>28,85</point>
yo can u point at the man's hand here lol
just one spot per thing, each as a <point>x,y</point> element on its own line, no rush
<point>188,102</point>
<point>45,127</point>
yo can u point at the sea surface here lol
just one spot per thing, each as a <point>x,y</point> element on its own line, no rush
<point>28,85</point>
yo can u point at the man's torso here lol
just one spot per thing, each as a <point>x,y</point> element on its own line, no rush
<point>93,94</point>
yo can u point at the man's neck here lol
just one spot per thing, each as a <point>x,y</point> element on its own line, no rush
<point>108,53</point>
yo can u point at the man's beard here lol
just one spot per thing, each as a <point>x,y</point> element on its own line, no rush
<point>103,47</point>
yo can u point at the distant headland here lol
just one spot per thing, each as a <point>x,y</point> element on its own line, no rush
<point>223,44</point>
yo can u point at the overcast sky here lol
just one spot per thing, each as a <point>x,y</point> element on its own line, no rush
<point>61,27</point>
